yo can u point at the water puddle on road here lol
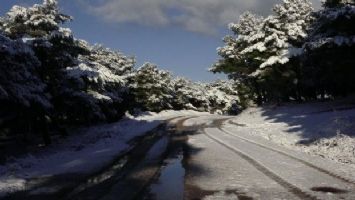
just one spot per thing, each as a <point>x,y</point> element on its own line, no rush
<point>170,182</point>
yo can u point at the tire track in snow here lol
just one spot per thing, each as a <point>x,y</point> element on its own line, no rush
<point>308,164</point>
<point>269,173</point>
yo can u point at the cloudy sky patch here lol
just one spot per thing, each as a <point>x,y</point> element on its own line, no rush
<point>202,16</point>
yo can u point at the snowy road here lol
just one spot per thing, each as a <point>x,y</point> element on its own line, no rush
<point>202,156</point>
<point>230,165</point>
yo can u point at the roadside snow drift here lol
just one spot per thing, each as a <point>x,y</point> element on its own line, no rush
<point>86,151</point>
<point>324,129</point>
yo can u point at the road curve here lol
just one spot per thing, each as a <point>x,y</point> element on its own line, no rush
<point>225,165</point>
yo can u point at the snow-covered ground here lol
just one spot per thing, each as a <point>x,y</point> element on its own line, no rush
<point>324,129</point>
<point>86,151</point>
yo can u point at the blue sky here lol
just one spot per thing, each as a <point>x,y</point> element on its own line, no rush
<point>178,35</point>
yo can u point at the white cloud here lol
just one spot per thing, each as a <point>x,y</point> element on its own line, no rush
<point>203,16</point>
<point>133,11</point>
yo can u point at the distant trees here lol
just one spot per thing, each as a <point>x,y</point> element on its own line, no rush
<point>216,97</point>
<point>223,97</point>
<point>190,95</point>
<point>294,54</point>
<point>156,90</point>
<point>152,88</point>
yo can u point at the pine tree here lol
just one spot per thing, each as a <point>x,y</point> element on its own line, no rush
<point>100,81</point>
<point>263,54</point>
<point>23,97</point>
<point>223,97</point>
<point>336,3</point>
<point>332,36</point>
<point>36,21</point>
<point>53,47</point>
<point>153,88</point>
<point>237,63</point>
<point>190,95</point>
<point>216,97</point>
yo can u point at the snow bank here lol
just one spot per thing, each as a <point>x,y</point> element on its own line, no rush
<point>202,120</point>
<point>166,114</point>
<point>86,151</point>
<point>324,129</point>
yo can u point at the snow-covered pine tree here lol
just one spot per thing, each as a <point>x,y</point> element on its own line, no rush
<point>263,50</point>
<point>329,51</point>
<point>236,63</point>
<point>240,64</point>
<point>23,98</point>
<point>223,97</point>
<point>153,88</point>
<point>36,21</point>
<point>336,3</point>
<point>100,80</point>
<point>38,28</point>
<point>190,95</point>
<point>285,32</point>
<point>216,97</point>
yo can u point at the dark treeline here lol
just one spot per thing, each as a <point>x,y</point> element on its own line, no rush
<point>295,54</point>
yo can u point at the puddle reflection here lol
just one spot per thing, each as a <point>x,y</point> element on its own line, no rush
<point>170,183</point>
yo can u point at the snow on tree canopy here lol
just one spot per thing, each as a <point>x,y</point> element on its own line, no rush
<point>153,88</point>
<point>223,97</point>
<point>265,42</point>
<point>19,82</point>
<point>217,97</point>
<point>247,28</point>
<point>36,21</point>
<point>285,30</point>
<point>190,95</point>
<point>326,32</point>
<point>106,70</point>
